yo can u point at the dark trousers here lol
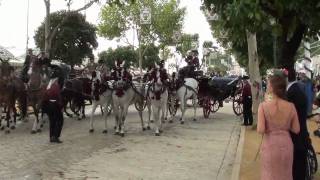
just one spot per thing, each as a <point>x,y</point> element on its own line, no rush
<point>54,112</point>
<point>299,164</point>
<point>247,111</point>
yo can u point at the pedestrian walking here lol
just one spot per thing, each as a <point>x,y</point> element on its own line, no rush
<point>276,119</point>
<point>296,95</point>
<point>247,102</point>
<point>52,106</point>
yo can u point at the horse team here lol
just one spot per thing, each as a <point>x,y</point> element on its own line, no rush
<point>116,91</point>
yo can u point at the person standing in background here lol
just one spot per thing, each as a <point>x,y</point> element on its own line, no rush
<point>247,102</point>
<point>296,95</point>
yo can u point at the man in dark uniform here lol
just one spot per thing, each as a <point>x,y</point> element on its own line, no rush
<point>26,65</point>
<point>52,106</point>
<point>247,102</point>
<point>297,96</point>
<point>45,62</point>
<point>163,73</point>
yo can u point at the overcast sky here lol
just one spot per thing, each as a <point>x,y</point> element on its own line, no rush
<point>13,19</point>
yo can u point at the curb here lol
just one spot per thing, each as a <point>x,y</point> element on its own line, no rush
<point>237,162</point>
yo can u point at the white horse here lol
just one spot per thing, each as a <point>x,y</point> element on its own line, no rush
<point>158,95</point>
<point>188,90</point>
<point>104,100</point>
<point>122,98</point>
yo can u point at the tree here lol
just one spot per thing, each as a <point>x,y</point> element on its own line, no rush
<point>74,40</point>
<point>188,42</point>
<point>121,53</point>
<point>285,21</point>
<point>167,18</point>
<point>151,56</point>
<point>50,32</point>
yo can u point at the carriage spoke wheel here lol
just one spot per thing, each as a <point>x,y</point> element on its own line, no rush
<point>237,104</point>
<point>74,107</point>
<point>173,108</point>
<point>214,105</point>
<point>140,105</point>
<point>206,107</point>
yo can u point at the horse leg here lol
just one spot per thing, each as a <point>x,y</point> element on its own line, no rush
<point>117,119</point>
<point>194,102</point>
<point>124,112</point>
<point>105,131</point>
<point>156,115</point>
<point>142,121</point>
<point>151,119</point>
<point>94,107</point>
<point>7,130</point>
<point>83,110</point>
<point>183,110</point>
<point>14,111</point>
<point>36,121</point>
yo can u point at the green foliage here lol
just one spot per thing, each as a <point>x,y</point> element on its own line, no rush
<point>127,54</point>
<point>130,56</point>
<point>187,43</point>
<point>166,19</point>
<point>287,20</point>
<point>75,39</point>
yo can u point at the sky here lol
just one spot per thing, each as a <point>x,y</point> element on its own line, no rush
<point>13,19</point>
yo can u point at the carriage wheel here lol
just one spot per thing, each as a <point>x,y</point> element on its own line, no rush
<point>140,105</point>
<point>312,164</point>
<point>172,109</point>
<point>237,104</point>
<point>214,104</point>
<point>206,107</point>
<point>108,109</point>
<point>75,108</point>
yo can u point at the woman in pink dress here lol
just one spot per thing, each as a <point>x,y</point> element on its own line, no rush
<point>276,117</point>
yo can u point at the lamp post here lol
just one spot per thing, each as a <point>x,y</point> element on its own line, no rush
<point>145,19</point>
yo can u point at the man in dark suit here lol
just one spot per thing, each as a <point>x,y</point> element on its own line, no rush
<point>296,95</point>
<point>52,106</point>
<point>247,102</point>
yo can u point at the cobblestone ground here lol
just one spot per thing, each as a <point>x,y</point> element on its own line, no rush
<point>204,149</point>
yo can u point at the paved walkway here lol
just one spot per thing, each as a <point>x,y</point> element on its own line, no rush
<point>196,150</point>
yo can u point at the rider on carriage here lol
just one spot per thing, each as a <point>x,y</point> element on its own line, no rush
<point>24,73</point>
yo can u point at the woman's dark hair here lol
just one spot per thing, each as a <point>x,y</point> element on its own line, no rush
<point>279,85</point>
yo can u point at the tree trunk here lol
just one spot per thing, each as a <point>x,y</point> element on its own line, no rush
<point>289,46</point>
<point>254,73</point>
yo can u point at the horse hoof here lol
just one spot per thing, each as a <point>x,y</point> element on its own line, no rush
<point>105,131</point>
<point>160,131</point>
<point>194,119</point>
<point>152,121</point>
<point>115,127</point>
<point>165,119</point>
<point>41,125</point>
<point>2,128</point>
<point>7,131</point>
<point>122,134</point>
<point>33,132</point>
<point>116,133</point>
<point>143,129</point>
<point>148,127</point>
<point>91,130</point>
<point>182,122</point>
<point>12,127</point>
<point>170,121</point>
<point>39,131</point>
<point>157,134</point>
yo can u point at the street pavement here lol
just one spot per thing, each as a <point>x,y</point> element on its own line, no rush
<point>203,150</point>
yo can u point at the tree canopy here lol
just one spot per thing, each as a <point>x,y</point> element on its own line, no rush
<point>130,55</point>
<point>285,21</point>
<point>75,39</point>
<point>188,42</point>
<point>167,18</point>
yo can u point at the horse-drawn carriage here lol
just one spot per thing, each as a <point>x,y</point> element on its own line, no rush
<point>212,92</point>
